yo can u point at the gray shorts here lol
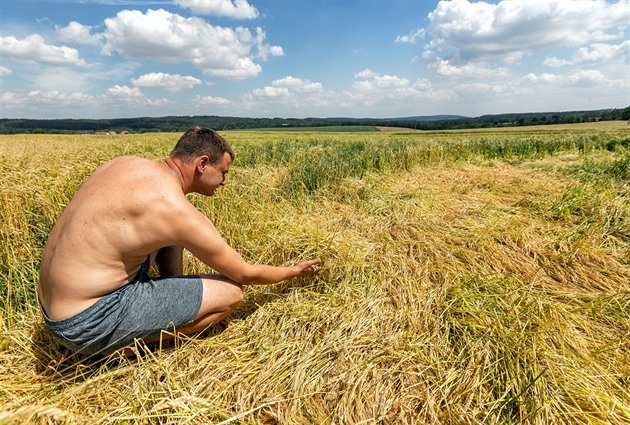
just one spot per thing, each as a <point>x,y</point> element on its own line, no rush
<point>138,310</point>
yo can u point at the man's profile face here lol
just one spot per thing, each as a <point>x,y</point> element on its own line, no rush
<point>215,175</point>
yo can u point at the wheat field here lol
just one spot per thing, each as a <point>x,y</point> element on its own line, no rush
<point>470,277</point>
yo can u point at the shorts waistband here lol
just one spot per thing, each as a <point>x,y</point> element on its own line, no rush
<point>105,302</point>
<point>102,303</point>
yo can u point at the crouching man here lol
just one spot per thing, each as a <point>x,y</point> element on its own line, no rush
<point>95,292</point>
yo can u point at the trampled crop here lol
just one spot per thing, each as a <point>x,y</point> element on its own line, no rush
<point>469,277</point>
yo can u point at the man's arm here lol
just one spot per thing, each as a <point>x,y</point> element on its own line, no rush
<point>200,237</point>
<point>169,261</point>
<point>260,274</point>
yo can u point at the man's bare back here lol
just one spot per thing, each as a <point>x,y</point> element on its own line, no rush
<point>132,209</point>
<point>115,220</point>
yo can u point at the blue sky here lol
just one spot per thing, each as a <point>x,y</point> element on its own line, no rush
<point>299,58</point>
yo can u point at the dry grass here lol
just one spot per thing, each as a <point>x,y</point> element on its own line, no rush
<point>453,292</point>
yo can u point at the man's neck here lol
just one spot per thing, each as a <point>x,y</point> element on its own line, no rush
<point>177,173</point>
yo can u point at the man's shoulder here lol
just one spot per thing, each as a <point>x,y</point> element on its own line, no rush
<point>128,161</point>
<point>142,181</point>
<point>123,166</point>
<point>132,167</point>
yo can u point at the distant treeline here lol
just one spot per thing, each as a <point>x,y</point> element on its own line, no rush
<point>182,123</point>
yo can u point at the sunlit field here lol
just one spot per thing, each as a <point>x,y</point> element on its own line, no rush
<point>470,277</point>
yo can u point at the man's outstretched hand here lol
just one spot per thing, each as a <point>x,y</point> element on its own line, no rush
<point>308,268</point>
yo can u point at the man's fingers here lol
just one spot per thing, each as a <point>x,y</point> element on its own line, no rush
<point>310,266</point>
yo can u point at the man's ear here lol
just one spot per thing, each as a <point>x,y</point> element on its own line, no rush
<point>202,162</point>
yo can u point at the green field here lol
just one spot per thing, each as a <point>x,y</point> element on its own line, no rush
<point>327,129</point>
<point>469,277</point>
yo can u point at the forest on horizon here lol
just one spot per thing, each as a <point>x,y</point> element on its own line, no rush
<point>221,123</point>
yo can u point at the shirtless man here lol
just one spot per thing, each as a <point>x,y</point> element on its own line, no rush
<point>94,289</point>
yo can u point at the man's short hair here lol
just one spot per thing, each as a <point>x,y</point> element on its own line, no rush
<point>201,141</point>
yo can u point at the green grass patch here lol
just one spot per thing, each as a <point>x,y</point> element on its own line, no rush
<point>324,129</point>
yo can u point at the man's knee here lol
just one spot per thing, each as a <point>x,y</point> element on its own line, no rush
<point>236,295</point>
<point>233,292</point>
<point>221,293</point>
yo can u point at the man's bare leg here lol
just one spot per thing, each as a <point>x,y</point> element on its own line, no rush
<point>221,296</point>
<point>169,261</point>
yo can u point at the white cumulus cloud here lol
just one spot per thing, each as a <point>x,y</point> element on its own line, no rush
<point>166,37</point>
<point>287,86</point>
<point>298,85</point>
<point>366,73</point>
<point>595,53</point>
<point>57,96</point>
<point>131,97</point>
<point>78,33</point>
<point>9,97</point>
<point>412,37</point>
<point>237,9</point>
<point>211,100</point>
<point>268,91</point>
<point>265,50</point>
<point>476,70</point>
<point>124,91</point>
<point>33,49</point>
<point>376,81</point>
<point>170,82</point>
<point>376,89</point>
<point>578,79</point>
<point>462,31</point>
<point>5,71</point>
